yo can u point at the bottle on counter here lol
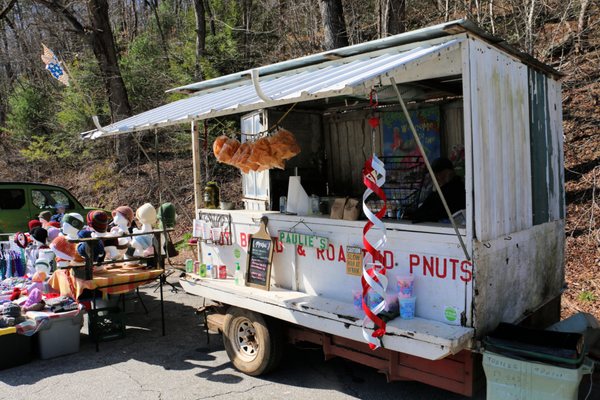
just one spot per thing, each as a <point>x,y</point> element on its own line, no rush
<point>237,277</point>
<point>211,271</point>
<point>211,195</point>
<point>282,204</point>
<point>202,270</point>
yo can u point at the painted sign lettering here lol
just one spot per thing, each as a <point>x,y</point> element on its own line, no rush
<point>354,260</point>
<point>304,240</point>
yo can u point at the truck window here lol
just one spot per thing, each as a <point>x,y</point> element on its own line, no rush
<point>12,199</point>
<point>45,199</point>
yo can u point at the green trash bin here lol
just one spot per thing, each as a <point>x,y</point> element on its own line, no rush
<point>520,379</point>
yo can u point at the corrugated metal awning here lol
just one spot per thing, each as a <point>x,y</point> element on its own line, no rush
<point>327,79</point>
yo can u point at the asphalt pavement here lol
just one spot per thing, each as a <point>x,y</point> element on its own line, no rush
<point>183,365</point>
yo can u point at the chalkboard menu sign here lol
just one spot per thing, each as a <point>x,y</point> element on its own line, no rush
<point>260,256</point>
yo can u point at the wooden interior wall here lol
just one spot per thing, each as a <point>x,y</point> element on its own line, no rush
<point>349,142</point>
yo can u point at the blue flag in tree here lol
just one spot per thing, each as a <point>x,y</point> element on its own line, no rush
<point>53,65</point>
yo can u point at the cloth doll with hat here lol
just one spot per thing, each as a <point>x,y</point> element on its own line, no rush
<point>71,224</point>
<point>122,220</point>
<point>146,214</point>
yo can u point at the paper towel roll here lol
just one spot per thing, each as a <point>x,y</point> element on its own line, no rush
<point>298,201</point>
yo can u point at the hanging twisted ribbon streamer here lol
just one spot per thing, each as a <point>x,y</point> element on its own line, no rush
<point>373,277</point>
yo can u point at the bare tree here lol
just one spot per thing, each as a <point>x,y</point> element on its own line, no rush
<point>332,13</point>
<point>200,36</point>
<point>392,14</point>
<point>582,24</point>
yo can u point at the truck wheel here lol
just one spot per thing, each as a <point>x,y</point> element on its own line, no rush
<point>253,346</point>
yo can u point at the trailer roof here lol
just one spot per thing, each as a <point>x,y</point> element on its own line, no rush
<point>339,72</point>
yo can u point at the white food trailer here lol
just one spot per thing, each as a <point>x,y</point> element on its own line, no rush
<point>502,108</point>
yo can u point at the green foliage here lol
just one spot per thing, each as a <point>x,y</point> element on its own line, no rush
<point>29,112</point>
<point>587,296</point>
<point>183,244</point>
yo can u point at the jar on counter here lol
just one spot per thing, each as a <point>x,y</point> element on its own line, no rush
<point>211,195</point>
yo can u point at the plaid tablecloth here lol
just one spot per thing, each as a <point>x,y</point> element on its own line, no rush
<point>112,281</point>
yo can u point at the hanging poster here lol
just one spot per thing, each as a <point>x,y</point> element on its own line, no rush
<point>398,139</point>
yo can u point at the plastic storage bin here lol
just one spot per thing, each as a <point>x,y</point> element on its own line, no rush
<point>515,379</point>
<point>60,336</point>
<point>16,349</point>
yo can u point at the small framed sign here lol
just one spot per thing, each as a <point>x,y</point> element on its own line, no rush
<point>260,258</point>
<point>354,260</point>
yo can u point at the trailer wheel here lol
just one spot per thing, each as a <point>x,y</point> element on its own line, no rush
<point>253,346</point>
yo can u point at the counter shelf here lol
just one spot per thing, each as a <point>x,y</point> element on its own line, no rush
<point>420,337</point>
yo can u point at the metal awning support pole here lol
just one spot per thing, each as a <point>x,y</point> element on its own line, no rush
<point>196,168</point>
<point>157,168</point>
<point>428,165</point>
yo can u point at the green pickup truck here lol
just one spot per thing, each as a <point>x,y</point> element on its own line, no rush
<point>21,202</point>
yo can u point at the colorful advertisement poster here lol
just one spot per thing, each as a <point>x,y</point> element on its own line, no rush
<point>398,140</point>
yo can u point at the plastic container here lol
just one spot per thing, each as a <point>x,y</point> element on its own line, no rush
<point>202,270</point>
<point>238,278</point>
<point>211,195</point>
<point>374,300</point>
<point>60,336</point>
<point>189,265</point>
<point>405,286</point>
<point>516,379</point>
<point>222,272</point>
<point>282,204</point>
<point>407,306</point>
<point>16,349</point>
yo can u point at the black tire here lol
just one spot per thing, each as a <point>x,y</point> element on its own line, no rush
<point>253,345</point>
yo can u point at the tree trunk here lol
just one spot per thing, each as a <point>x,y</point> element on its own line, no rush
<point>394,16</point>
<point>101,39</point>
<point>582,27</point>
<point>200,36</point>
<point>211,17</point>
<point>163,40</point>
<point>103,45</point>
<point>332,13</point>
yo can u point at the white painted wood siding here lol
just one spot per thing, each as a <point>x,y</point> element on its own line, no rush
<point>501,142</point>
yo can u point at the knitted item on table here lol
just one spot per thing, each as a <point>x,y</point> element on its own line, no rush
<point>53,233</point>
<point>146,214</point>
<point>125,211</point>
<point>39,234</point>
<point>34,223</point>
<point>97,220</point>
<point>45,215</point>
<point>16,293</point>
<point>73,219</point>
<point>34,297</point>
<point>21,240</point>
<point>63,248</point>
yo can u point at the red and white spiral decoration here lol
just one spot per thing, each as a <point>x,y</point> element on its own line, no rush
<point>373,277</point>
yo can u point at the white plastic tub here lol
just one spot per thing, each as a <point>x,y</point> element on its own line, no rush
<point>60,336</point>
<point>509,378</point>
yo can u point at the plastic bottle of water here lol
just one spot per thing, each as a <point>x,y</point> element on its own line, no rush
<point>210,267</point>
<point>237,277</point>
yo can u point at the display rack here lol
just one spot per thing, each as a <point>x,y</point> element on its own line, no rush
<point>405,177</point>
<point>217,229</point>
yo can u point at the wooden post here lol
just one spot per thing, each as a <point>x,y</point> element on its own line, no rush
<point>197,177</point>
